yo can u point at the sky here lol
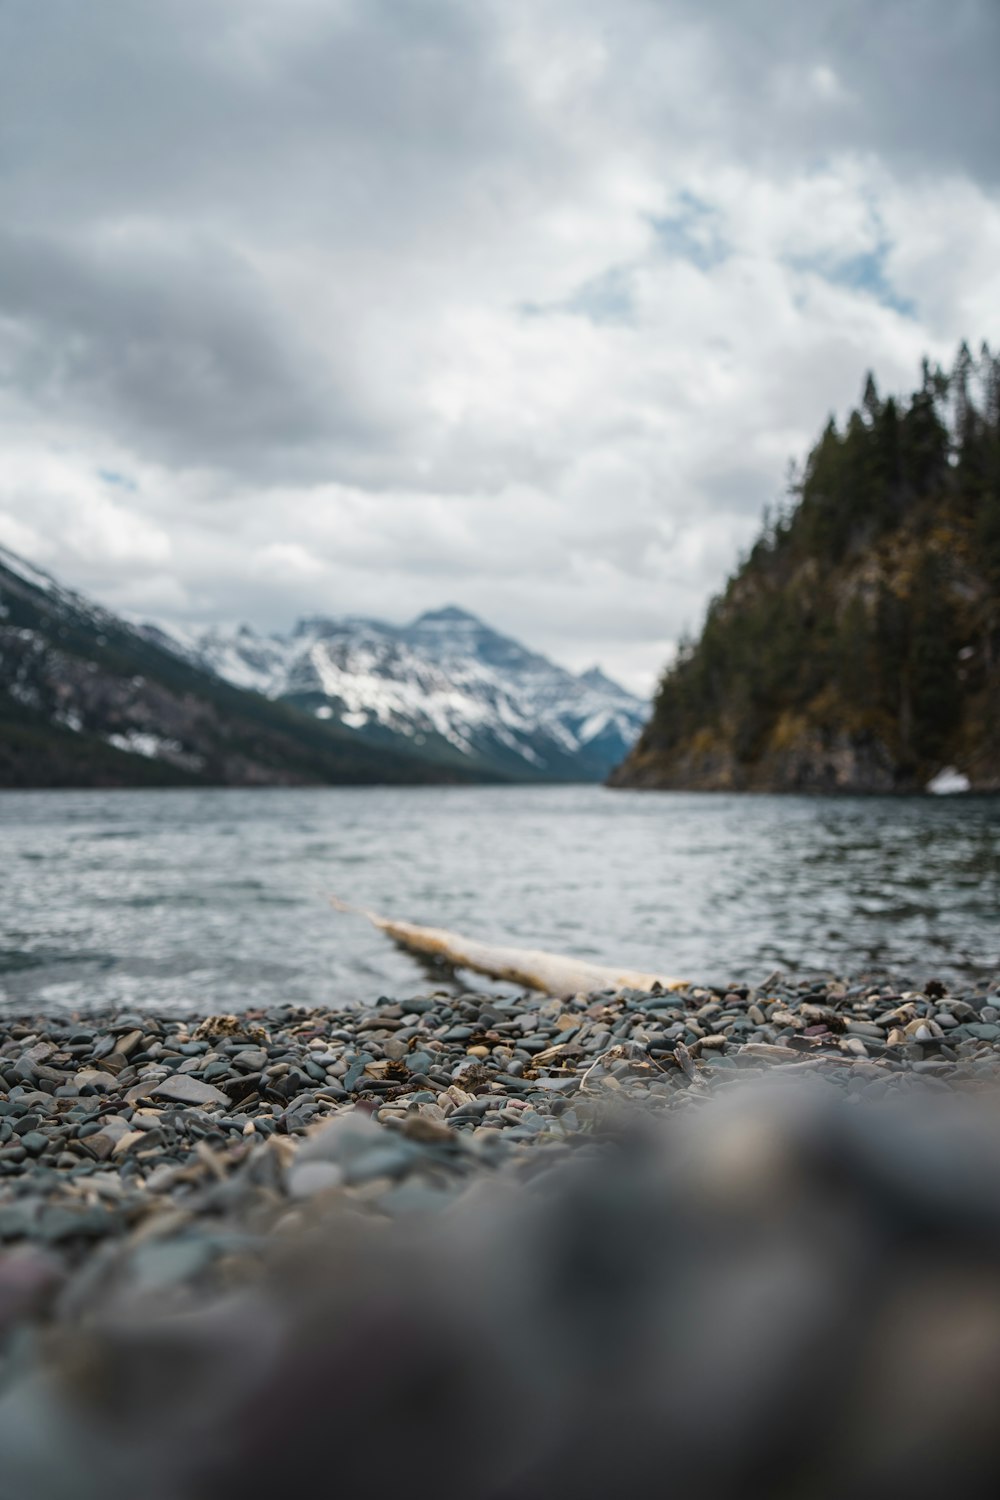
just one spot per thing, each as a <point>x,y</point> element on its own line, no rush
<point>370,306</point>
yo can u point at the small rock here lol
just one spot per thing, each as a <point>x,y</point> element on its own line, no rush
<point>125,1142</point>
<point>307,1178</point>
<point>187,1090</point>
<point>57,1224</point>
<point>250,1060</point>
<point>769,1052</point>
<point>95,1078</point>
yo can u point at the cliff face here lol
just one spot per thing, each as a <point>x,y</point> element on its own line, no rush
<point>817,759</point>
<point>857,648</point>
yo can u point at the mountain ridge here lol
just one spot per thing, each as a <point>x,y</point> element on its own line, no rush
<point>445,680</point>
<point>89,699</point>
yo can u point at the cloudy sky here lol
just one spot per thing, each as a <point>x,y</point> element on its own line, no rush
<point>374,305</point>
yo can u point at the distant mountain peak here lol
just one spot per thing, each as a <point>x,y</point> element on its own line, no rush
<point>596,677</point>
<point>90,699</point>
<point>446,696</point>
<point>448,614</point>
<point>447,680</point>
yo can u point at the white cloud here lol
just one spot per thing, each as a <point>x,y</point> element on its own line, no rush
<point>522,306</point>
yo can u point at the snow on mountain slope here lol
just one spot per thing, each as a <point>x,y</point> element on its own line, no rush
<point>447,680</point>
<point>89,699</point>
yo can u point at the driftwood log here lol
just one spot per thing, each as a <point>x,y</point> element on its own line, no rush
<point>552,973</point>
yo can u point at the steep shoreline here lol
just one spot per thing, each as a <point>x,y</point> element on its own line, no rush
<point>820,763</point>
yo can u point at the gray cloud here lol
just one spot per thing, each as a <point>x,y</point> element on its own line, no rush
<point>181,348</point>
<point>373,304</point>
<point>912,80</point>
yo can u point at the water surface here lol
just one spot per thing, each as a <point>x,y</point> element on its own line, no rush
<point>215,899</point>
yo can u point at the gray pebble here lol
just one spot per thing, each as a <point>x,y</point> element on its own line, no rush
<point>188,1090</point>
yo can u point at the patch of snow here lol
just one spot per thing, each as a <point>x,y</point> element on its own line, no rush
<point>948,782</point>
<point>595,725</point>
<point>138,742</point>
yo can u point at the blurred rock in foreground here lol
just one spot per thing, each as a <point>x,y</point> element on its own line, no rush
<point>789,1289</point>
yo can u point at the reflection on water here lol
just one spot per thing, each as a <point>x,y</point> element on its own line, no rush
<point>216,899</point>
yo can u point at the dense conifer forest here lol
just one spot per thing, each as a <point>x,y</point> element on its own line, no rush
<point>857,646</point>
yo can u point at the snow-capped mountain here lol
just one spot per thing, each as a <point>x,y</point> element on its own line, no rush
<point>446,683</point>
<point>89,699</point>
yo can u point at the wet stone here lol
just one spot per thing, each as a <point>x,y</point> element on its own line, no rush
<point>187,1090</point>
<point>250,1060</point>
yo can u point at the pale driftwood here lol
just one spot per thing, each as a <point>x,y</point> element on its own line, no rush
<point>531,967</point>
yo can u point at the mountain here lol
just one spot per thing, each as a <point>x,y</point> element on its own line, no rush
<point>88,700</point>
<point>857,647</point>
<point>446,684</point>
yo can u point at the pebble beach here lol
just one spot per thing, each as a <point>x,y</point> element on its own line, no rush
<point>322,1206</point>
<point>131,1144</point>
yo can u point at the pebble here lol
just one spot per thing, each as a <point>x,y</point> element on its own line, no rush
<point>310,1177</point>
<point>188,1090</point>
<point>250,1060</point>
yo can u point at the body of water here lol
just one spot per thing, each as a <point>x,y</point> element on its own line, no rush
<point>216,899</point>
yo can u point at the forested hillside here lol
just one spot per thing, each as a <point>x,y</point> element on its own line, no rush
<point>857,647</point>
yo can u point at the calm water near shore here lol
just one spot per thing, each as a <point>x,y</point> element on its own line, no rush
<point>215,899</point>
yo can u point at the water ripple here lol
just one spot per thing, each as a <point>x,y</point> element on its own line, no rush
<point>216,898</point>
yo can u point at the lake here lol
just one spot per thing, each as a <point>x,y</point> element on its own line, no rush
<point>216,899</point>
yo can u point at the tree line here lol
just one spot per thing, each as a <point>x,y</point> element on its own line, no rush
<point>871,595</point>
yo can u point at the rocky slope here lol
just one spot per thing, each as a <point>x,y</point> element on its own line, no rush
<point>88,700</point>
<point>447,684</point>
<point>857,648</point>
